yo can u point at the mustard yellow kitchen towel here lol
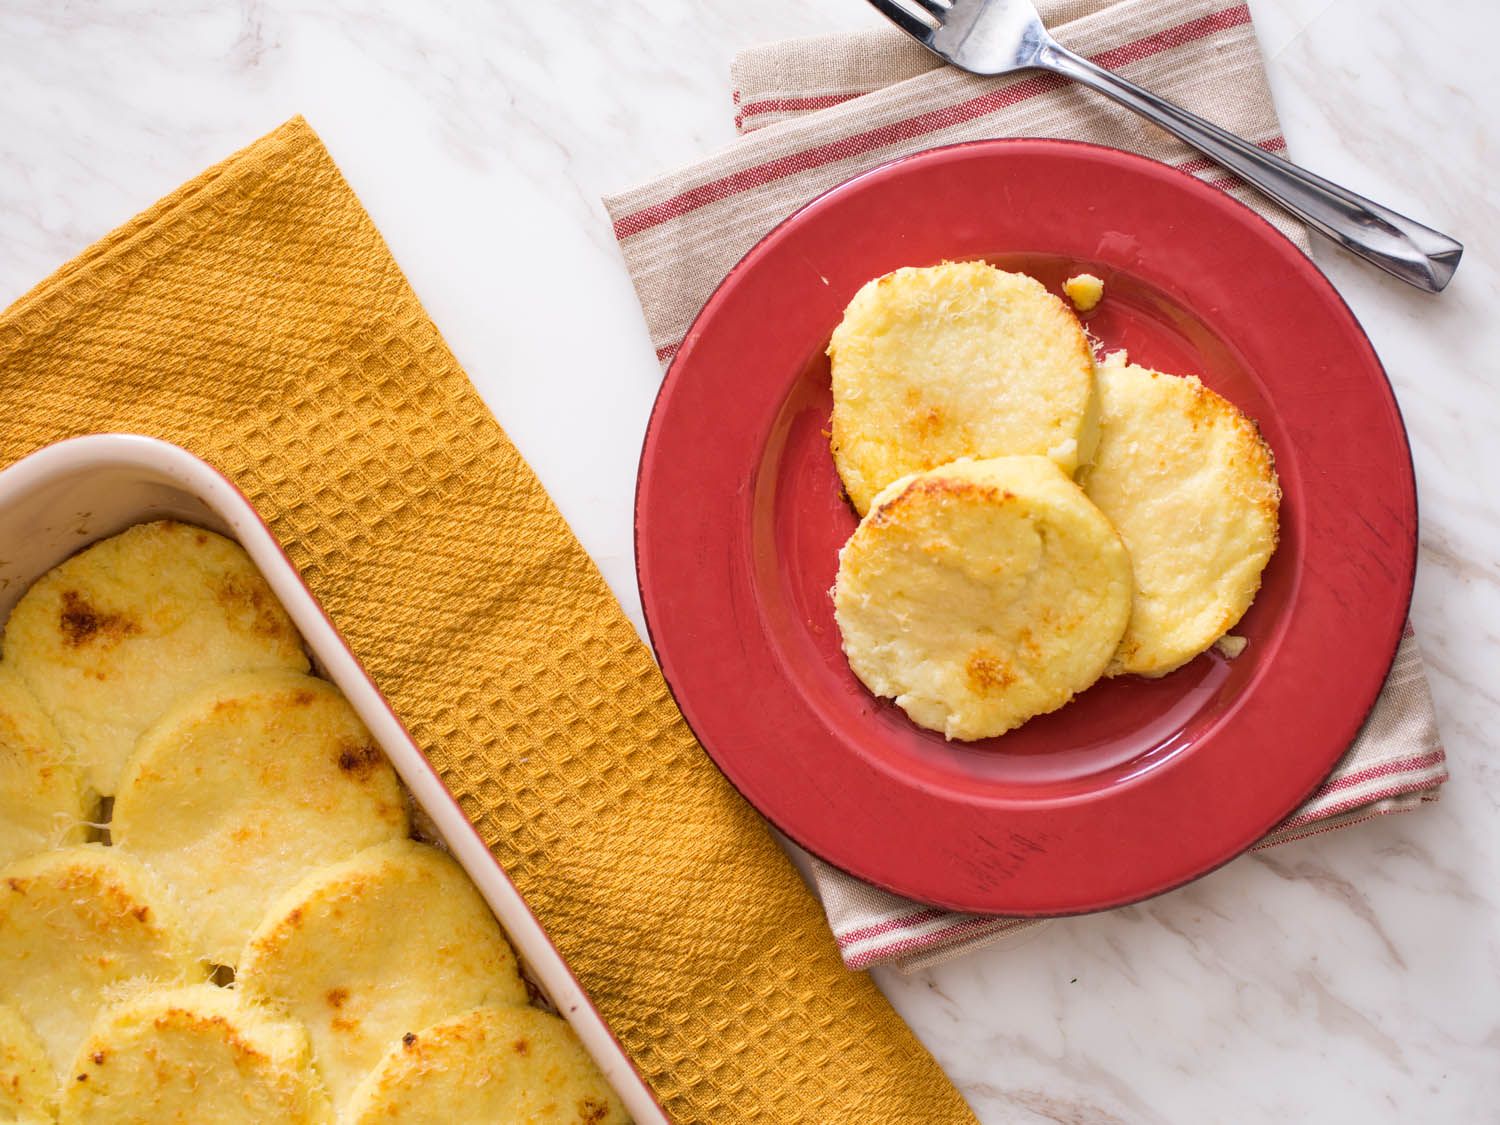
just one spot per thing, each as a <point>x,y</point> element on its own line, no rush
<point>256,317</point>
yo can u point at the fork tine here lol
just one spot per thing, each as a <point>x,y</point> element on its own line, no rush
<point>907,20</point>
<point>938,8</point>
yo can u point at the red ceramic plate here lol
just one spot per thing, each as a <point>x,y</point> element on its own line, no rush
<point>1137,786</point>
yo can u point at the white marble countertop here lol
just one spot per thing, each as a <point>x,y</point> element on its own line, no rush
<point>1349,977</point>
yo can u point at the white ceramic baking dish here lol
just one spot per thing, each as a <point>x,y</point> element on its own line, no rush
<point>63,497</point>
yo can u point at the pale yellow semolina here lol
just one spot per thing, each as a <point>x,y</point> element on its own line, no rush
<point>76,924</point>
<point>110,638</point>
<point>363,951</point>
<point>193,1054</point>
<point>28,1086</point>
<point>1085,291</point>
<point>956,360</point>
<point>1192,488</point>
<point>245,786</point>
<point>982,593</point>
<point>521,1066</point>
<point>43,801</point>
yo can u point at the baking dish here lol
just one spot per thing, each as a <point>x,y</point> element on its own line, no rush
<point>63,497</point>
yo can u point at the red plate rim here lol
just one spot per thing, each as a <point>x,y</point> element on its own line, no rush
<point>923,834</point>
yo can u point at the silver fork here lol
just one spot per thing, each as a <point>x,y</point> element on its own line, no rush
<point>1000,36</point>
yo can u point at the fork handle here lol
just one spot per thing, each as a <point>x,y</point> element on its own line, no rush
<point>1404,248</point>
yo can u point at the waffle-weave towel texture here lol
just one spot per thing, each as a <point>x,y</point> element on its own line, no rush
<point>814,112</point>
<point>256,317</point>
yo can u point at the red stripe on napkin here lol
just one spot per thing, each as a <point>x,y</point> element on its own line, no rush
<point>907,945</point>
<point>759,175</point>
<point>1385,769</point>
<point>916,918</point>
<point>791,105</point>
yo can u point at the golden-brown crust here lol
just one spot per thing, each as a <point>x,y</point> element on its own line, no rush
<point>326,954</point>
<point>81,623</point>
<point>216,788</point>
<point>194,1053</point>
<point>108,639</point>
<point>987,674</point>
<point>249,596</point>
<point>489,1064</point>
<point>981,593</point>
<point>1190,482</point>
<point>922,356</point>
<point>76,924</point>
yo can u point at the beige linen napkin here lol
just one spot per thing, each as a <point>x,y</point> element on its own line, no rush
<point>815,112</point>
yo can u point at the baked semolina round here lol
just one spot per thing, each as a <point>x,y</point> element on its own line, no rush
<point>108,639</point>
<point>28,1086</point>
<point>1192,488</point>
<point>188,1055</point>
<point>517,1065</point>
<point>43,802</point>
<point>245,786</point>
<point>957,360</point>
<point>363,951</point>
<point>75,925</point>
<point>982,593</point>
